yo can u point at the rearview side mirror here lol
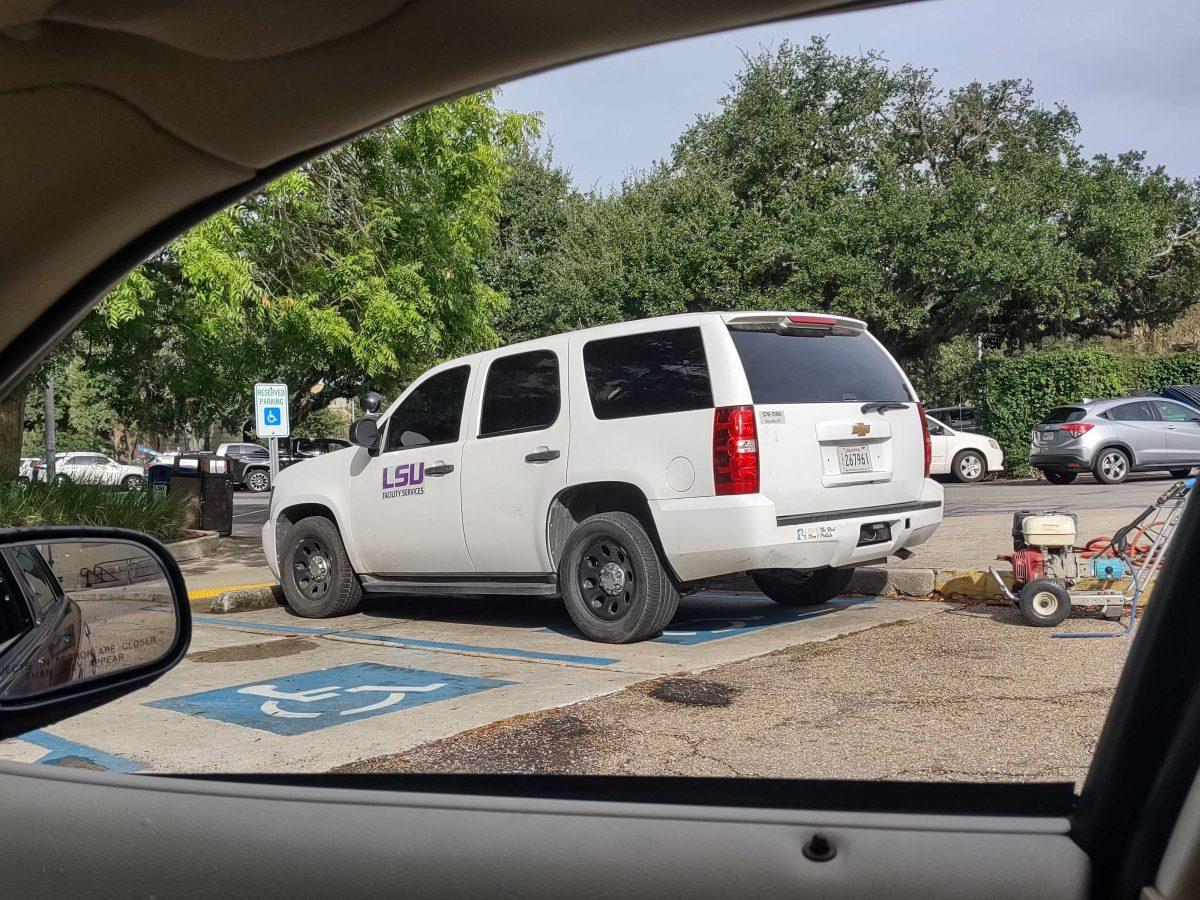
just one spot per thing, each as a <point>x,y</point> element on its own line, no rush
<point>365,433</point>
<point>86,616</point>
<point>371,402</point>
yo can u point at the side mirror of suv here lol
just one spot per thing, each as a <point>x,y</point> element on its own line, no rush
<point>371,402</point>
<point>365,433</point>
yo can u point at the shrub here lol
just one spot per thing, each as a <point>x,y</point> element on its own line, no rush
<point>1015,392</point>
<point>37,503</point>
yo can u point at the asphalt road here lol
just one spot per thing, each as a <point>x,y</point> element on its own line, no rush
<point>985,498</point>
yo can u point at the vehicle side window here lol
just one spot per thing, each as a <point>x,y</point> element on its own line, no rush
<point>432,413</point>
<point>14,612</point>
<point>43,588</point>
<point>647,374</point>
<point>1139,411</point>
<point>1173,412</point>
<point>521,393</point>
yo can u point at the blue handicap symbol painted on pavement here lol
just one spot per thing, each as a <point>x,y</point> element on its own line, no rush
<point>310,701</point>
<point>272,415</point>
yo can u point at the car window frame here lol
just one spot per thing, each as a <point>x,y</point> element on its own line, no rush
<point>416,386</point>
<point>642,335</point>
<point>1193,415</point>
<point>31,600</point>
<point>559,370</point>
<point>1154,417</point>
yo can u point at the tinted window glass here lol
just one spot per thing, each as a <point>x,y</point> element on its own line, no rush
<point>14,615</point>
<point>817,368</point>
<point>1062,414</point>
<point>521,393</point>
<point>432,412</point>
<point>1132,412</point>
<point>1173,412</point>
<point>42,586</point>
<point>647,374</point>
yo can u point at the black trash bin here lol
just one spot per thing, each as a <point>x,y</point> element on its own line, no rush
<point>203,481</point>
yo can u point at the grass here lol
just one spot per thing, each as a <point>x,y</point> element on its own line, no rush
<point>37,503</point>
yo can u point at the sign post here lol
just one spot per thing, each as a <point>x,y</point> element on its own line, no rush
<point>271,419</point>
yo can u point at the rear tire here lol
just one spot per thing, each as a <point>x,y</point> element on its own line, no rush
<point>968,467</point>
<point>1180,473</point>
<point>1044,603</point>
<point>315,572</point>
<point>615,588</point>
<point>1111,466</point>
<point>1055,477</point>
<point>791,587</point>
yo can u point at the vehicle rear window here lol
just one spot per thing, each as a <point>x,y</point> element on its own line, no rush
<point>1062,414</point>
<point>817,368</point>
<point>647,374</point>
<point>521,393</point>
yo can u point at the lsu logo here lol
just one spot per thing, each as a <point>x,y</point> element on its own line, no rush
<point>407,475</point>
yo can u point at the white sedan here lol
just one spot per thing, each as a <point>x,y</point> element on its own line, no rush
<point>96,468</point>
<point>962,454</point>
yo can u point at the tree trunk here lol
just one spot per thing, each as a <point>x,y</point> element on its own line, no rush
<point>12,431</point>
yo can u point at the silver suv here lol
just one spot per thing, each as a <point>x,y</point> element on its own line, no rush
<point>1111,438</point>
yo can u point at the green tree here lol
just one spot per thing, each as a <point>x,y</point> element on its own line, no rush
<point>359,268</point>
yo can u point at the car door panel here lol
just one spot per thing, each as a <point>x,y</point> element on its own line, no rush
<point>1182,427</point>
<point>1136,426</point>
<point>240,838</point>
<point>407,499</point>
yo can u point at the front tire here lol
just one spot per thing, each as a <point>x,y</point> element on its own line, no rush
<point>1044,603</point>
<point>257,481</point>
<point>133,482</point>
<point>1055,477</point>
<point>315,572</point>
<point>790,587</point>
<point>613,584</point>
<point>1111,466</point>
<point>969,466</point>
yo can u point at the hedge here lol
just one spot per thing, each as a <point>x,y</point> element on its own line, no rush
<point>1015,392</point>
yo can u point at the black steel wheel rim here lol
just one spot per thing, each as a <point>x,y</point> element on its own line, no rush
<point>606,579</point>
<point>312,568</point>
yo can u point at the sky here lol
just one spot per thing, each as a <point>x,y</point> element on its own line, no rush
<point>1127,68</point>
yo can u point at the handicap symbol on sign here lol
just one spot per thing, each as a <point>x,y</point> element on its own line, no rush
<point>310,701</point>
<point>272,415</point>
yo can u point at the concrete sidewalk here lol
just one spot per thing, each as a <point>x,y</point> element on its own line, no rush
<point>238,564</point>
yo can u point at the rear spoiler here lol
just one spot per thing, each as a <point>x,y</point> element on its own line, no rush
<point>795,323</point>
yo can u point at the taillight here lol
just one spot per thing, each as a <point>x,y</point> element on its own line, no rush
<point>1076,429</point>
<point>925,437</point>
<point>735,450</point>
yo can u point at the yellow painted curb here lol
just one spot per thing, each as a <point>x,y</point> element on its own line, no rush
<point>209,593</point>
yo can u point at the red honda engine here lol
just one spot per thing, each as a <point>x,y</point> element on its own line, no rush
<point>1027,566</point>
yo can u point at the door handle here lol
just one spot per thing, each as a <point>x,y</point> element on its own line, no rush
<point>1172,428</point>
<point>542,456</point>
<point>441,469</point>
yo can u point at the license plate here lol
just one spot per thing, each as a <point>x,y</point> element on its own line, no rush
<point>854,459</point>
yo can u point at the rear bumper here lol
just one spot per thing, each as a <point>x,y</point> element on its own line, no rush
<point>1060,460</point>
<point>708,536</point>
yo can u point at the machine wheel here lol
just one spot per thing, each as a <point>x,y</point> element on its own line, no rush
<point>1180,473</point>
<point>790,587</point>
<point>1055,476</point>
<point>1111,466</point>
<point>1044,603</point>
<point>133,482</point>
<point>257,481</point>
<point>969,466</point>
<point>315,571</point>
<point>614,586</point>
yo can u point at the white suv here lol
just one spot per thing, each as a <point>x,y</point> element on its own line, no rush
<point>617,467</point>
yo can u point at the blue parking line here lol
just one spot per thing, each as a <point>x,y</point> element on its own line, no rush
<point>61,750</point>
<point>415,643</point>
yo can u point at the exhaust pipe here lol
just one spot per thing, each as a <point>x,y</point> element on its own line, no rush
<point>1000,584</point>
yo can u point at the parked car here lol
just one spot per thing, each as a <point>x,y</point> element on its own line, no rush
<point>1111,438</point>
<point>90,467</point>
<point>964,456</point>
<point>250,464</point>
<point>676,450</point>
<point>960,418</point>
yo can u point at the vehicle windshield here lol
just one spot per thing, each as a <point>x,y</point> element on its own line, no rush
<point>603,513</point>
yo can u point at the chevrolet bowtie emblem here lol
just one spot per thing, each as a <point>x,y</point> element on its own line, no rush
<point>861,428</point>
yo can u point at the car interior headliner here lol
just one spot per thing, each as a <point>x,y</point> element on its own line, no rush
<point>125,122</point>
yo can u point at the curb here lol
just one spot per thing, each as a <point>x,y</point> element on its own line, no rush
<point>247,599</point>
<point>196,547</point>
